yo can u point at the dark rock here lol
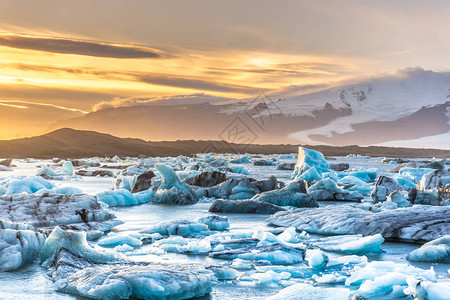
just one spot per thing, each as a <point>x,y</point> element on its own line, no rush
<point>143,182</point>
<point>339,167</point>
<point>6,162</point>
<point>209,179</point>
<point>294,194</point>
<point>286,166</point>
<point>244,207</point>
<point>405,165</point>
<point>248,187</point>
<point>423,197</point>
<point>95,173</point>
<point>326,195</point>
<point>437,165</point>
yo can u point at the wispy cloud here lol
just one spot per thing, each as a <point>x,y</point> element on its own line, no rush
<point>27,104</point>
<point>78,47</point>
<point>178,81</point>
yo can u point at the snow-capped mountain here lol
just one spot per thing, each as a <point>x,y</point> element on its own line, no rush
<point>409,108</point>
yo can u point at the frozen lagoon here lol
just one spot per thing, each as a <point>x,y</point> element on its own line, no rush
<point>137,218</point>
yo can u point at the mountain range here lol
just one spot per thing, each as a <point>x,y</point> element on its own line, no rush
<point>410,108</point>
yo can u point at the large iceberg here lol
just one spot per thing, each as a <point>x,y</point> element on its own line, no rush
<point>434,179</point>
<point>419,223</point>
<point>79,269</point>
<point>310,165</point>
<point>172,190</point>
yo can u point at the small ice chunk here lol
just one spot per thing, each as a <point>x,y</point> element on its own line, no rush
<point>224,273</point>
<point>123,197</point>
<point>270,277</point>
<point>330,279</point>
<point>303,291</point>
<point>437,251</point>
<point>352,244</point>
<point>214,222</point>
<point>114,239</point>
<point>241,264</point>
<point>178,227</point>
<point>384,278</point>
<point>290,235</point>
<point>124,248</point>
<point>317,259</point>
<point>423,290</point>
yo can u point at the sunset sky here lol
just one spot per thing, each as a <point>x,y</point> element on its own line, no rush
<point>64,58</point>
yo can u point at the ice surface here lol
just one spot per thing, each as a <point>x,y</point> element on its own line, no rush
<point>172,190</point>
<point>411,224</point>
<point>276,254</point>
<point>293,194</point>
<point>386,279</point>
<point>178,227</point>
<point>214,222</point>
<point>123,197</point>
<point>93,278</point>
<point>241,160</point>
<point>366,175</point>
<point>437,251</point>
<point>20,244</point>
<point>114,239</point>
<point>270,277</point>
<point>303,291</point>
<point>352,244</point>
<point>224,273</point>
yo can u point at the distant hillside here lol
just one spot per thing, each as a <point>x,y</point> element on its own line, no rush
<point>70,143</point>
